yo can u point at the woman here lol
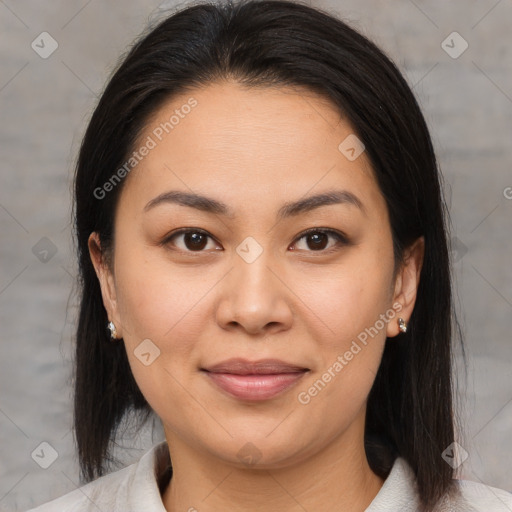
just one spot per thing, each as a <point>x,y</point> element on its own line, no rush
<point>260,226</point>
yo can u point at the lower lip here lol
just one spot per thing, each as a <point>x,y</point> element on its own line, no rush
<point>255,387</point>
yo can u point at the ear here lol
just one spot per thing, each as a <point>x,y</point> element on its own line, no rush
<point>107,281</point>
<point>406,284</point>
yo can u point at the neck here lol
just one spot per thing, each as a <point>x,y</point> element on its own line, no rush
<point>337,478</point>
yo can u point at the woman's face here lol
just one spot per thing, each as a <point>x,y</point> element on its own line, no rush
<point>246,282</point>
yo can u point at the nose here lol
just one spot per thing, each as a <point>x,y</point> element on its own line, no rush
<point>255,297</point>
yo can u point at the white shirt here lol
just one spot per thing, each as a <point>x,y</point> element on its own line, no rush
<point>135,489</point>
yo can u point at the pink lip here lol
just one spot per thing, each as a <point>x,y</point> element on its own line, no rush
<point>254,380</point>
<point>240,366</point>
<point>255,387</point>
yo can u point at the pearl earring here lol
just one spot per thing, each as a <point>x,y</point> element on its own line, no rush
<point>402,325</point>
<point>112,328</point>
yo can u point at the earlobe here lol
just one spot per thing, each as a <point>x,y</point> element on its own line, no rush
<point>407,283</point>
<point>106,280</point>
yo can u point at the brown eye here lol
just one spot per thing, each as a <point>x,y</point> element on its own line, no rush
<point>189,240</point>
<point>317,240</point>
<point>195,241</point>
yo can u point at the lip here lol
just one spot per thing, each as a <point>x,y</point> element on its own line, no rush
<point>254,380</point>
<point>240,366</point>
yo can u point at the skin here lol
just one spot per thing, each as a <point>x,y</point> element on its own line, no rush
<point>255,149</point>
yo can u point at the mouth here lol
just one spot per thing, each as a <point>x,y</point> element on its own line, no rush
<point>239,366</point>
<point>254,381</point>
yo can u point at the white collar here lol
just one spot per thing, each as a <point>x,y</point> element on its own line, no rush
<point>398,492</point>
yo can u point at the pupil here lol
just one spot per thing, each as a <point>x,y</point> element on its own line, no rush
<point>318,243</point>
<point>195,239</point>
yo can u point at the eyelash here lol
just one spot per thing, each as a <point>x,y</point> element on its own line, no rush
<point>340,238</point>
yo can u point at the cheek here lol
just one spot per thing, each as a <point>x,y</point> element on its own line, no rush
<point>346,299</point>
<point>166,308</point>
<point>349,304</point>
<point>154,300</point>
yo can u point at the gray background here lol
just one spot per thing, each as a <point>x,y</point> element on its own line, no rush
<point>45,104</point>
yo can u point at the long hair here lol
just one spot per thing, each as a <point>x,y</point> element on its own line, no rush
<point>279,43</point>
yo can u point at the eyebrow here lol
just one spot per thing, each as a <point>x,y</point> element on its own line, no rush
<point>290,209</point>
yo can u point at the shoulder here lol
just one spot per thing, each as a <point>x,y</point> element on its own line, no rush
<point>133,486</point>
<point>400,492</point>
<point>101,493</point>
<point>478,497</point>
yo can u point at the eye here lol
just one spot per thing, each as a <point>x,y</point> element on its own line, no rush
<point>196,240</point>
<point>317,239</point>
<point>193,240</point>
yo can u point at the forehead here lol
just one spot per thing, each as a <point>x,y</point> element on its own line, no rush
<point>246,144</point>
